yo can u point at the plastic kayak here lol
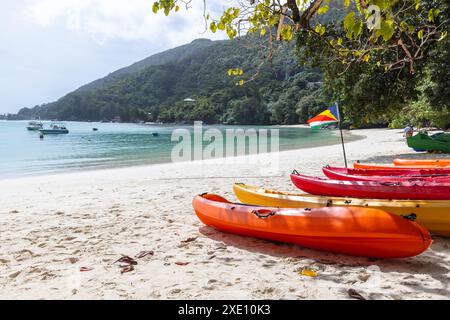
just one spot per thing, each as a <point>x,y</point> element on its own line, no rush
<point>353,231</point>
<point>359,165</point>
<point>441,136</point>
<point>346,175</point>
<point>394,171</point>
<point>422,141</point>
<point>372,189</point>
<point>434,215</point>
<point>411,162</point>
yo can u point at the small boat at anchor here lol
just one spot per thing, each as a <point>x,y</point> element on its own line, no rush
<point>55,128</point>
<point>34,125</point>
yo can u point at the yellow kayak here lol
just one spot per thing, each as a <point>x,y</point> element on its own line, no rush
<point>434,215</point>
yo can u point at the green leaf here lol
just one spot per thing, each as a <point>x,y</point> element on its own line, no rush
<point>386,29</point>
<point>420,34</point>
<point>383,4</point>
<point>431,15</point>
<point>213,27</point>
<point>155,7</point>
<point>323,10</point>
<point>346,3</point>
<point>349,22</point>
<point>322,30</point>
<point>357,28</point>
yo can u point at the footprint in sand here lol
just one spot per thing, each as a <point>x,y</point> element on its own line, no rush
<point>24,255</point>
<point>364,277</point>
<point>208,288</point>
<point>73,260</point>
<point>15,274</point>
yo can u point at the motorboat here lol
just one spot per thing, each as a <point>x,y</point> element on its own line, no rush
<point>55,128</point>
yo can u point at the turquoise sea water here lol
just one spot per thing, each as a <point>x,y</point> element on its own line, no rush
<point>22,153</point>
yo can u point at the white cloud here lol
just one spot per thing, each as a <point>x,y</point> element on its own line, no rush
<point>123,19</point>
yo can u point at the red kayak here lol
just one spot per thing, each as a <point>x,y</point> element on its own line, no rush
<point>349,175</point>
<point>372,189</point>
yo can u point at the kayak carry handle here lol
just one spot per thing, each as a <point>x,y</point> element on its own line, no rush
<point>263,213</point>
<point>411,217</point>
<point>295,172</point>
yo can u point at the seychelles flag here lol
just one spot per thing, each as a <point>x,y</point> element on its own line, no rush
<point>331,115</point>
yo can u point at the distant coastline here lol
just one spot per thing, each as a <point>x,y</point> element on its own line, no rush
<point>114,145</point>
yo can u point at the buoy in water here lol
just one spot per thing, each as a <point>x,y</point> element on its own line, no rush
<point>41,136</point>
<point>94,129</point>
<point>155,134</point>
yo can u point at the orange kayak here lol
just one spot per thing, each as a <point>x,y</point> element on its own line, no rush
<point>348,230</point>
<point>412,162</point>
<point>358,165</point>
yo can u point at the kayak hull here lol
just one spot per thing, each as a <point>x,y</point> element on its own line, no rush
<point>407,162</point>
<point>353,231</point>
<point>345,175</point>
<point>434,215</point>
<point>425,142</point>
<point>373,189</point>
<point>370,166</point>
<point>52,131</point>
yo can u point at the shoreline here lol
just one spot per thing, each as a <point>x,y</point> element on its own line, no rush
<point>51,227</point>
<point>63,171</point>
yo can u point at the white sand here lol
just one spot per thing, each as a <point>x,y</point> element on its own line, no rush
<point>50,226</point>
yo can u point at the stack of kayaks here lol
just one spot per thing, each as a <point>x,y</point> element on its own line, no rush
<point>354,231</point>
<point>373,211</point>
<point>378,189</point>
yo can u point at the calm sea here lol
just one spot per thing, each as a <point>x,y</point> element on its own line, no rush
<point>22,153</point>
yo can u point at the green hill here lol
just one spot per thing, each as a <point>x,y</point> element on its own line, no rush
<point>154,89</point>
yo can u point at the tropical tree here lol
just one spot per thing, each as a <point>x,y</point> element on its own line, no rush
<point>395,34</point>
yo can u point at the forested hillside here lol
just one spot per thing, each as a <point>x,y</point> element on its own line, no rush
<point>302,77</point>
<point>282,92</point>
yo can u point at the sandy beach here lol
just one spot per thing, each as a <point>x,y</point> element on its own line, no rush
<point>51,226</point>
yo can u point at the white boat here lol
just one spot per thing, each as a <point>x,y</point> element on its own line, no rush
<point>55,128</point>
<point>34,125</point>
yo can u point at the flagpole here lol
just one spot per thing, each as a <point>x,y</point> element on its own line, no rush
<point>342,136</point>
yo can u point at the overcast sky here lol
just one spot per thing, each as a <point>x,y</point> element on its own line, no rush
<point>51,47</point>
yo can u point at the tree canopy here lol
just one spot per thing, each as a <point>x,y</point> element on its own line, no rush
<point>386,60</point>
<point>395,34</point>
